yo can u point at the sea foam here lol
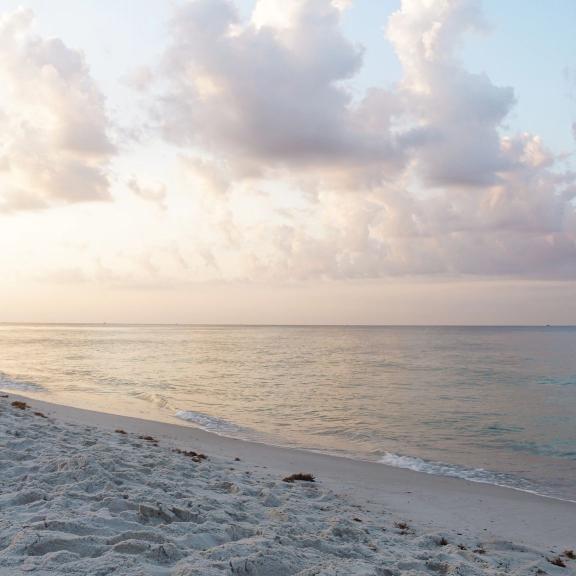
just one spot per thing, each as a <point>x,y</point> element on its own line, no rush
<point>10,383</point>
<point>455,471</point>
<point>209,423</point>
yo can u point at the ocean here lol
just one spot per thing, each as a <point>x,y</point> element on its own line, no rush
<point>490,404</point>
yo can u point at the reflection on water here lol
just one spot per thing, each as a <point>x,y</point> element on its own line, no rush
<point>496,399</point>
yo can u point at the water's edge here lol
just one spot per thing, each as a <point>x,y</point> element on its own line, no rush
<point>227,429</point>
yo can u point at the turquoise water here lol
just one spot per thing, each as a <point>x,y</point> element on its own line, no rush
<point>491,404</point>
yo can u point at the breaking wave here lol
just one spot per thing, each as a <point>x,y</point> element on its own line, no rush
<point>455,471</point>
<point>209,423</point>
<point>9,383</point>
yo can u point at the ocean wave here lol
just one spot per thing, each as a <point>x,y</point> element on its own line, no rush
<point>157,399</point>
<point>9,383</point>
<point>455,471</point>
<point>209,423</point>
<point>560,381</point>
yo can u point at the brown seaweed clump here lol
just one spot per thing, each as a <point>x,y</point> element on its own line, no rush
<point>403,527</point>
<point>299,477</point>
<point>40,414</point>
<point>557,562</point>
<point>194,456</point>
<point>20,405</point>
<point>148,438</point>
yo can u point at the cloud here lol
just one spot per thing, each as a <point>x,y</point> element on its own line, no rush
<point>456,114</point>
<point>419,179</point>
<point>283,175</point>
<point>270,92</point>
<point>54,142</point>
<point>156,195</point>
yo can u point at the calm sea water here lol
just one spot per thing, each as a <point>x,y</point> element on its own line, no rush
<point>493,405</point>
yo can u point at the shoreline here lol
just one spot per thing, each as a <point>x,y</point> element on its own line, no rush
<point>140,412</point>
<point>432,502</point>
<point>349,456</point>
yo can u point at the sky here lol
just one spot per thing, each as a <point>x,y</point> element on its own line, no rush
<point>303,161</point>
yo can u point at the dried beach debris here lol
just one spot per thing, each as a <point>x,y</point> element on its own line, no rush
<point>194,456</point>
<point>402,525</point>
<point>20,405</point>
<point>299,477</point>
<point>148,438</point>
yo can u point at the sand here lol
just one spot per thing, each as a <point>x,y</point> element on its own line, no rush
<point>76,497</point>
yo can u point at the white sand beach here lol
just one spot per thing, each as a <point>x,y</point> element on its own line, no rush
<point>79,497</point>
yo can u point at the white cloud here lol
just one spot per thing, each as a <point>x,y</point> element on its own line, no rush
<point>155,194</point>
<point>457,114</point>
<point>417,180</point>
<point>269,92</point>
<point>54,144</point>
<point>283,175</point>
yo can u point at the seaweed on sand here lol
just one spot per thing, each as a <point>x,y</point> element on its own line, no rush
<point>194,456</point>
<point>20,405</point>
<point>300,477</point>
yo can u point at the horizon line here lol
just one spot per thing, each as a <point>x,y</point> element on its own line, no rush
<point>284,325</point>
